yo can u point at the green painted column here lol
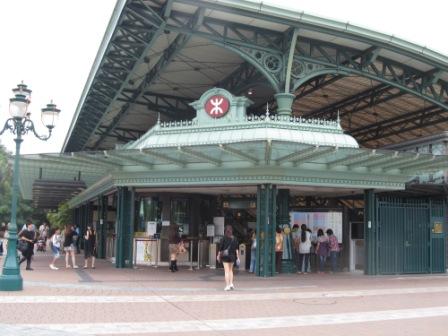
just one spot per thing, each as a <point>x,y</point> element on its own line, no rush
<point>370,233</point>
<point>74,215</point>
<point>82,211</point>
<point>124,227</point>
<point>282,221</point>
<point>284,103</point>
<point>266,223</point>
<point>101,227</point>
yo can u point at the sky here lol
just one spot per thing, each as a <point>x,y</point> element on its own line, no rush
<point>51,45</point>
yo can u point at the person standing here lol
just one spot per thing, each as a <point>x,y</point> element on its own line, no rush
<point>76,238</point>
<point>322,249</point>
<point>89,247</point>
<point>29,236</point>
<point>228,254</point>
<point>334,249</point>
<point>295,235</point>
<point>174,240</point>
<point>253,252</point>
<point>278,249</point>
<point>304,249</point>
<point>55,241</point>
<point>69,246</point>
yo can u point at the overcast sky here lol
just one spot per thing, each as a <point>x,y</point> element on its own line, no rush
<point>51,46</point>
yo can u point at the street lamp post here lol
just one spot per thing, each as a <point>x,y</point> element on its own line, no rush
<point>20,124</point>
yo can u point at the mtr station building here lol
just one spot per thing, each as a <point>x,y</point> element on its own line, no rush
<point>203,113</point>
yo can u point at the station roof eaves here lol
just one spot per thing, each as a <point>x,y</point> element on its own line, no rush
<point>258,13</point>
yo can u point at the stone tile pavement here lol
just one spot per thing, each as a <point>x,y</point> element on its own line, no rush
<point>150,301</point>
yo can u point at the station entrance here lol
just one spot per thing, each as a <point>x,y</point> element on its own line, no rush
<point>377,234</point>
<point>196,176</point>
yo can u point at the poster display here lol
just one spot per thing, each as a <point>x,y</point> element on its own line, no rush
<point>210,230</point>
<point>219,225</point>
<point>319,220</point>
<point>151,228</point>
<point>146,252</point>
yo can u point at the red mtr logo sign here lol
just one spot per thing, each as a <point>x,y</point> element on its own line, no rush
<point>217,106</point>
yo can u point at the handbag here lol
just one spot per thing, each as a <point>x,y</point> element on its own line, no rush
<point>181,247</point>
<point>22,245</point>
<point>225,253</point>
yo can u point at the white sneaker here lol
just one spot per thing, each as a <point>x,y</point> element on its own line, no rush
<point>227,288</point>
<point>53,267</point>
<point>232,287</point>
<point>75,266</point>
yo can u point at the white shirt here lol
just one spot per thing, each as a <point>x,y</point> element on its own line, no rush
<point>305,246</point>
<point>56,240</point>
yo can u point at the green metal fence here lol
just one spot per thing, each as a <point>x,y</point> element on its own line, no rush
<point>407,240</point>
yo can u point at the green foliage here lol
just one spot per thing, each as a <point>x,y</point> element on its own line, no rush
<point>60,218</point>
<point>24,208</point>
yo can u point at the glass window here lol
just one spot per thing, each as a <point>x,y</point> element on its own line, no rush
<point>148,211</point>
<point>180,214</point>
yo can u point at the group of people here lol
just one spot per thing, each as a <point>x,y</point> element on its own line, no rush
<point>325,245</point>
<point>66,241</point>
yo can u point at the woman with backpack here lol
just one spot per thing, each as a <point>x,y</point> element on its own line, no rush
<point>322,249</point>
<point>228,255</point>
<point>55,245</point>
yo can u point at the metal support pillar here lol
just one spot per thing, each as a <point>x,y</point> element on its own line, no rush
<point>124,227</point>
<point>370,233</point>
<point>101,227</point>
<point>88,221</point>
<point>283,220</point>
<point>82,211</point>
<point>75,216</point>
<point>266,224</point>
<point>284,103</point>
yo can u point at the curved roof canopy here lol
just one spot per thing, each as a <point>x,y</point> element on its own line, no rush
<point>223,146</point>
<point>159,56</point>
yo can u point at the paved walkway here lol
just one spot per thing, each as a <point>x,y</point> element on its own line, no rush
<point>149,301</point>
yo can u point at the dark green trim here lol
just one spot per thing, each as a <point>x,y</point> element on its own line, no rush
<point>266,224</point>
<point>370,229</point>
<point>101,228</point>
<point>124,227</point>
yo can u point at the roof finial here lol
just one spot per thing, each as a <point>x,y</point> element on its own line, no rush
<point>267,109</point>
<point>158,118</point>
<point>338,120</point>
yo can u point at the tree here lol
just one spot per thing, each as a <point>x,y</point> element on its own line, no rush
<point>60,218</point>
<point>24,207</point>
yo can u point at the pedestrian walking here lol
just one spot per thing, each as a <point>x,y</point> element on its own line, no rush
<point>174,241</point>
<point>27,238</point>
<point>69,246</point>
<point>89,247</point>
<point>55,244</point>
<point>228,254</point>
